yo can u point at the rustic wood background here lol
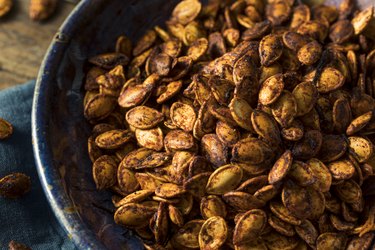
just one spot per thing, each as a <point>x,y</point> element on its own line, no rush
<point>23,42</point>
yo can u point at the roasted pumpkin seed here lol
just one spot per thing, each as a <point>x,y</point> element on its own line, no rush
<point>211,206</point>
<point>213,233</point>
<point>249,226</point>
<point>224,179</point>
<point>14,185</point>
<point>270,49</point>
<point>6,129</point>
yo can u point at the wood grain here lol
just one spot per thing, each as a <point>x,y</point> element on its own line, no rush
<point>23,43</point>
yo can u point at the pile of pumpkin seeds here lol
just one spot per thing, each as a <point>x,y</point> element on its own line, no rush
<point>240,125</point>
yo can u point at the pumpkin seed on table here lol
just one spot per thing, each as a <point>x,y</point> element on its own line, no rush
<point>13,245</point>
<point>6,129</point>
<point>14,185</point>
<point>240,125</point>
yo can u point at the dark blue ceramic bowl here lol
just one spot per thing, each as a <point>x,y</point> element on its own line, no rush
<point>59,129</point>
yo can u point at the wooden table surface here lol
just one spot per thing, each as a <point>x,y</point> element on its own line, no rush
<point>23,42</point>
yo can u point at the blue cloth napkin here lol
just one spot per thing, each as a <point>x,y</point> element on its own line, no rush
<point>28,220</point>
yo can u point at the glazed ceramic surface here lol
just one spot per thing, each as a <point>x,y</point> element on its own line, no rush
<point>59,130</point>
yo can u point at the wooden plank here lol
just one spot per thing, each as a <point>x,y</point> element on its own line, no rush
<point>23,43</point>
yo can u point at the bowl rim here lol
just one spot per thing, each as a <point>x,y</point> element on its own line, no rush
<point>82,236</point>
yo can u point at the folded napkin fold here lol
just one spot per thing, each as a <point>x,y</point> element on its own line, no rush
<point>28,220</point>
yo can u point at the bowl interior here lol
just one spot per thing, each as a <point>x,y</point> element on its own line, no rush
<point>59,130</point>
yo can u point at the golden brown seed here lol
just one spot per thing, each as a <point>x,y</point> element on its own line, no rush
<point>270,49</point>
<point>213,233</point>
<point>42,9</point>
<point>294,41</point>
<point>160,64</point>
<point>314,29</point>
<point>283,213</point>
<point>341,31</point>
<point>301,173</point>
<point>134,215</point>
<point>197,49</point>
<point>221,89</point>
<point>99,107</point>
<point>13,245</point>
<point>144,158</point>
<point>192,32</point>
<point>14,185</point>
<point>134,94</point>
<point>278,12</point>
<point>250,150</point>
<point>178,140</point>
<point>211,206</point>
<point>271,89</point>
<point>241,112</point>
<point>188,235</point>
<point>150,138</point>
<point>169,190</point>
<point>349,191</point>
<point>128,181</point>
<point>361,148</point>
<point>281,167</point>
<point>307,232</point>
<point>5,7</point>
<point>341,115</point>
<point>104,172</point>
<point>242,201</point>
<point>224,179</point>
<point>113,139</point>
<point>363,242</point>
<point>331,240</point>
<point>323,178</point>
<point>6,129</point>
<point>214,150</point>
<point>310,53</point>
<point>124,45</point>
<point>340,224</point>
<point>285,109</point>
<point>362,19</point>
<point>144,43</point>
<point>175,216</point>
<point>232,36</point>
<point>109,60</point>
<point>227,134</point>
<point>137,196</point>
<point>306,96</point>
<point>186,11</point>
<point>257,31</point>
<point>266,193</point>
<point>280,226</point>
<point>196,184</point>
<point>143,117</point>
<point>333,147</point>
<point>113,80</point>
<point>249,226</point>
<point>183,116</point>
<point>308,146</point>
<point>301,14</point>
<point>298,200</point>
<point>294,132</point>
<point>359,123</point>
